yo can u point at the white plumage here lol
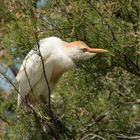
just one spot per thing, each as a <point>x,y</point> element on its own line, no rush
<point>58,57</point>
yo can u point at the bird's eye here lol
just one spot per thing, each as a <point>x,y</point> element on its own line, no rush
<point>84,49</point>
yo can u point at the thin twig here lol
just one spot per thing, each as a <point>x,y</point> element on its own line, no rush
<point>122,136</point>
<point>45,76</point>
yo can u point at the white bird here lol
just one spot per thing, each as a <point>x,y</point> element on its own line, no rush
<point>58,57</point>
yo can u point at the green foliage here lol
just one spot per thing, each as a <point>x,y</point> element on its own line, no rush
<point>101,96</point>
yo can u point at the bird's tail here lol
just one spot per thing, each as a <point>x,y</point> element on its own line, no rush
<point>19,100</point>
<point>18,96</point>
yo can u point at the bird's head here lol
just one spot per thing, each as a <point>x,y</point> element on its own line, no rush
<point>78,50</point>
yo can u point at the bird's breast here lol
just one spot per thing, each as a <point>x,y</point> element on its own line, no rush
<point>58,65</point>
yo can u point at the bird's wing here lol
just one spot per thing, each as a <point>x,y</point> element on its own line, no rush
<point>31,70</point>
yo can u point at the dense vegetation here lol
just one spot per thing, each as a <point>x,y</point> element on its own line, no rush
<point>100,99</point>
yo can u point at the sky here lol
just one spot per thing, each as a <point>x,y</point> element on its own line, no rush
<point>41,3</point>
<point>4,85</point>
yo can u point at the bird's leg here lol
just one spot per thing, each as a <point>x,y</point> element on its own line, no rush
<point>43,101</point>
<point>31,106</point>
<point>28,100</point>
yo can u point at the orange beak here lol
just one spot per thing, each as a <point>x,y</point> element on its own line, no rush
<point>95,50</point>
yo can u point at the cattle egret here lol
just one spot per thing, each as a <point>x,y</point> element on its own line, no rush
<point>58,57</point>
